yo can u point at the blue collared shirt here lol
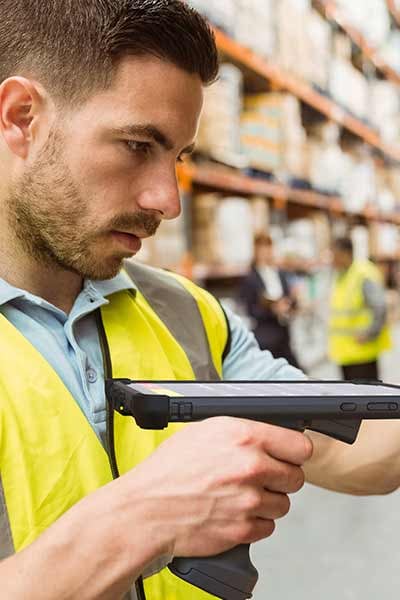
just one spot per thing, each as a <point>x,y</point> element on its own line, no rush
<point>70,343</point>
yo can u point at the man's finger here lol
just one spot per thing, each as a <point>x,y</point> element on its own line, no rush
<point>290,446</point>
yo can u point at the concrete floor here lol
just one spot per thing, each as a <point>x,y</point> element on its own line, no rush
<point>332,546</point>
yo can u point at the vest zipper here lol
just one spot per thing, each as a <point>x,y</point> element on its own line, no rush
<point>110,445</point>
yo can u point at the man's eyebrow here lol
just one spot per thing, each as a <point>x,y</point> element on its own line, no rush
<point>152,132</point>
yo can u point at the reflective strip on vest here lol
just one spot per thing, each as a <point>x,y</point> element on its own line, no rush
<point>6,542</point>
<point>164,294</point>
<point>345,312</point>
<point>346,331</point>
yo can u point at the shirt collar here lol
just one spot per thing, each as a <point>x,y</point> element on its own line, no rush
<point>100,288</point>
<point>111,286</point>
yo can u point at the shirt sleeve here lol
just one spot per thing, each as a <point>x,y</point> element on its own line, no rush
<point>246,361</point>
<point>374,297</point>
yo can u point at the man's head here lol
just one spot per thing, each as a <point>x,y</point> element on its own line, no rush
<point>263,250</point>
<point>342,253</point>
<point>98,100</point>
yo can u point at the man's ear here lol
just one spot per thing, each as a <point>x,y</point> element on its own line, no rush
<point>20,105</point>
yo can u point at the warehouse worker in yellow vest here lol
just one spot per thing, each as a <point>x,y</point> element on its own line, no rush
<point>98,102</point>
<point>358,332</point>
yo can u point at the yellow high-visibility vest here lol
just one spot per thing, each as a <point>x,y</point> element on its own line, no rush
<point>50,457</point>
<point>350,316</point>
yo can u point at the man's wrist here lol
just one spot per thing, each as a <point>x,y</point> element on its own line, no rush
<point>140,522</point>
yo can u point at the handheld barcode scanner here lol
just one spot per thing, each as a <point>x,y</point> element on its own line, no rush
<point>335,409</point>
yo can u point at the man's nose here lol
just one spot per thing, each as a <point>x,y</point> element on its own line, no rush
<point>162,195</point>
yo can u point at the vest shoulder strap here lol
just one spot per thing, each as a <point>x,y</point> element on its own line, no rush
<point>190,319</point>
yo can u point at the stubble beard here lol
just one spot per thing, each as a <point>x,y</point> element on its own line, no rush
<point>50,219</point>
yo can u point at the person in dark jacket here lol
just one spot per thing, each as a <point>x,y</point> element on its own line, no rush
<point>266,296</point>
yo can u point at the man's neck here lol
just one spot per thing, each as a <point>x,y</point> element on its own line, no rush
<point>50,282</point>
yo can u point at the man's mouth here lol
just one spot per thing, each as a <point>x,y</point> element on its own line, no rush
<point>131,242</point>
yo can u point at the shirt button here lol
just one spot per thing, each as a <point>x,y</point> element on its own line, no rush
<point>91,375</point>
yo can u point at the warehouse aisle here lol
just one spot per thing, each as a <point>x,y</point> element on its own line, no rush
<point>332,546</point>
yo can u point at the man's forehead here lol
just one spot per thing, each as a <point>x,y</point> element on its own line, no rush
<point>146,92</point>
<point>162,98</point>
<point>137,73</point>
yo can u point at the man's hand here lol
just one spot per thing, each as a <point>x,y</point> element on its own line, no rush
<point>208,488</point>
<point>220,483</point>
<point>282,308</point>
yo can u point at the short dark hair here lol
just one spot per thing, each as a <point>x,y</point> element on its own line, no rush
<point>345,244</point>
<point>73,46</point>
<point>262,239</point>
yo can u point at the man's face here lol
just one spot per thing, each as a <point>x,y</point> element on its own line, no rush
<point>264,254</point>
<point>341,259</point>
<point>107,174</point>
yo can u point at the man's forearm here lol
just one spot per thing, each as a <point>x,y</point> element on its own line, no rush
<point>370,466</point>
<point>90,553</point>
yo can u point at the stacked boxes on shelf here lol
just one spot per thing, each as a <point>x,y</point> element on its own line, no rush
<point>384,109</point>
<point>261,132</point>
<point>222,13</point>
<point>349,87</point>
<point>359,185</point>
<point>326,163</point>
<point>370,17</point>
<point>299,241</point>
<point>292,47</point>
<point>219,134</point>
<point>384,239</point>
<point>255,25</point>
<point>272,135</point>
<point>223,230</point>
<point>390,52</point>
<point>385,194</point>
<point>303,42</point>
<point>319,36</point>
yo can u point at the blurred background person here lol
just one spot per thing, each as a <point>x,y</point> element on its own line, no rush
<point>358,331</point>
<point>265,293</point>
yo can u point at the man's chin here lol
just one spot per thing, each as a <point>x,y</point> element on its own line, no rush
<point>102,270</point>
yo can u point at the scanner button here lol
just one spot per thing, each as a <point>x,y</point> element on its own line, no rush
<point>381,406</point>
<point>185,411</point>
<point>348,406</point>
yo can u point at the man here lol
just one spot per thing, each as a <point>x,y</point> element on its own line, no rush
<point>98,101</point>
<point>358,333</point>
<point>265,292</point>
<point>357,337</point>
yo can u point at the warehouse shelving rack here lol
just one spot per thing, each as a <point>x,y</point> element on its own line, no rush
<point>220,178</point>
<point>279,79</point>
<point>212,176</point>
<point>332,13</point>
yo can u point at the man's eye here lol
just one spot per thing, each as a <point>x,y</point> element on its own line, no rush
<point>143,147</point>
